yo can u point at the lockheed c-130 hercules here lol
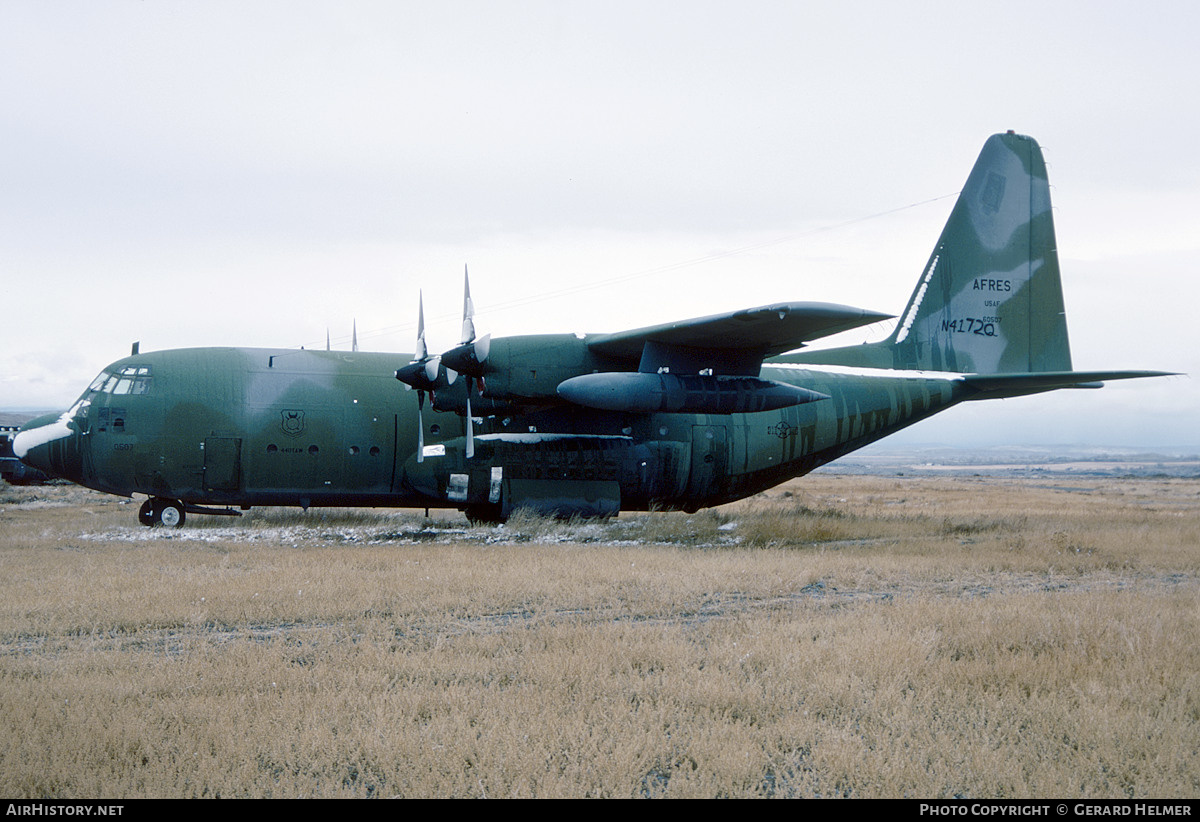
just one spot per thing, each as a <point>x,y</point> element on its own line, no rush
<point>678,416</point>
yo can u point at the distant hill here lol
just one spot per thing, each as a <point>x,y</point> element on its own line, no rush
<point>14,417</point>
<point>1021,460</point>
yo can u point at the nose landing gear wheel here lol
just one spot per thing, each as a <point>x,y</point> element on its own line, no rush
<point>165,512</point>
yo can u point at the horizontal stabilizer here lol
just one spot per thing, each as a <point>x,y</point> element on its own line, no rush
<point>998,386</point>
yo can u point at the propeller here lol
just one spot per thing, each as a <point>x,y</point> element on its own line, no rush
<point>422,374</point>
<point>469,356</point>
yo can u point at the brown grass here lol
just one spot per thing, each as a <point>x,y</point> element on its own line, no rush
<point>841,636</point>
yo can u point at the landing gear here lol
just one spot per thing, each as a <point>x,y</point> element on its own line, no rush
<point>165,512</point>
<point>484,514</point>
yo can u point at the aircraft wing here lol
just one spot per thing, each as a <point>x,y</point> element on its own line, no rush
<point>732,343</point>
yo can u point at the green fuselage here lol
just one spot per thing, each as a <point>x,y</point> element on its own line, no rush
<point>249,427</point>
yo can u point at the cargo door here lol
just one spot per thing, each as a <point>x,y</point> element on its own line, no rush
<point>222,463</point>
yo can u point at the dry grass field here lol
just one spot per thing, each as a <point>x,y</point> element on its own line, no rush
<point>838,637</point>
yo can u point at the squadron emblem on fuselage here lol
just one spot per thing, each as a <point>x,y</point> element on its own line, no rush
<point>293,423</point>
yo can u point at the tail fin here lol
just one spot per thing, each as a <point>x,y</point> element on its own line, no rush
<point>990,298</point>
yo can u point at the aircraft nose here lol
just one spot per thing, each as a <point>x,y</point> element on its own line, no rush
<point>50,444</point>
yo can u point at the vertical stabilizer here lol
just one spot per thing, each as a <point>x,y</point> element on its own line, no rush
<point>990,298</point>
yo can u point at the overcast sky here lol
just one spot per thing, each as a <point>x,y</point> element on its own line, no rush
<point>255,173</point>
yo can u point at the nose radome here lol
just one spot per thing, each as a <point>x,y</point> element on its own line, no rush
<point>31,445</point>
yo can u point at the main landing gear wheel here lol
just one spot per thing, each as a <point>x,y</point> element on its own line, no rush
<point>484,515</point>
<point>165,512</point>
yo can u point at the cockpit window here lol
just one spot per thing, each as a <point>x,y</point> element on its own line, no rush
<point>130,379</point>
<point>98,383</point>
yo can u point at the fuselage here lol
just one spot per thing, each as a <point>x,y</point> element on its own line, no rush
<point>250,427</point>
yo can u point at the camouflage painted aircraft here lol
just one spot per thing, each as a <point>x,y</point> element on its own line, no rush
<point>677,416</point>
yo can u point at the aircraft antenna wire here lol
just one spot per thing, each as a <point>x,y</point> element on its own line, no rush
<point>507,305</point>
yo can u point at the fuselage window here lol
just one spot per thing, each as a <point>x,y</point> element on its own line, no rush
<point>132,379</point>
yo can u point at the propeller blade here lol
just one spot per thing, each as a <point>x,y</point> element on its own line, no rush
<point>420,426</point>
<point>470,426</point>
<point>468,326</point>
<point>422,353</point>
